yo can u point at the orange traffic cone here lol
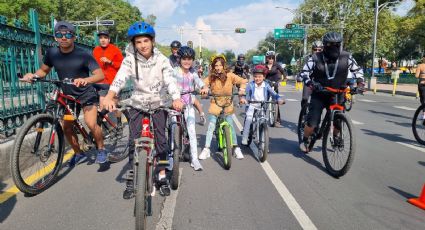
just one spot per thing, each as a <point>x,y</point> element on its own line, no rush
<point>419,202</point>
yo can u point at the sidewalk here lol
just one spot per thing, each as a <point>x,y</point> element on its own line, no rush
<point>402,89</point>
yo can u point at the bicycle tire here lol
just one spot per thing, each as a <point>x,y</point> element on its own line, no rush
<point>251,131</point>
<point>120,139</point>
<point>351,147</point>
<point>301,123</point>
<point>228,148</point>
<point>271,115</point>
<point>140,190</point>
<point>177,138</point>
<point>264,137</point>
<point>48,178</point>
<point>415,127</point>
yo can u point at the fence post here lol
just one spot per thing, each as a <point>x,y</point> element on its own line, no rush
<point>38,52</point>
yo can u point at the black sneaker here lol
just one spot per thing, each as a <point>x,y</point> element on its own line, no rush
<point>129,190</point>
<point>164,187</point>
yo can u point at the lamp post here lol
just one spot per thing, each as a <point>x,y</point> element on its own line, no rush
<point>378,8</point>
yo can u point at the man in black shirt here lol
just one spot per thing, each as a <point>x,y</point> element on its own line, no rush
<point>74,63</point>
<point>174,58</point>
<point>241,68</point>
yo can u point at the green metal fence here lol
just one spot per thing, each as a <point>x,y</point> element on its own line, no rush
<point>21,50</point>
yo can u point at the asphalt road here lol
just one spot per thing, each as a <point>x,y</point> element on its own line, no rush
<point>291,191</point>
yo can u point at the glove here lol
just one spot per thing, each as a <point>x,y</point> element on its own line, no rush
<point>317,86</point>
<point>360,88</point>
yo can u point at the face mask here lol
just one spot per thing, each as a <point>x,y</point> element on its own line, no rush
<point>332,52</point>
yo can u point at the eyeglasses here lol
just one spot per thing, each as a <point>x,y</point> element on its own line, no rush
<point>317,50</point>
<point>61,35</point>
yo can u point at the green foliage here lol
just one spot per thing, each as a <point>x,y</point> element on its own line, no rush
<point>230,56</point>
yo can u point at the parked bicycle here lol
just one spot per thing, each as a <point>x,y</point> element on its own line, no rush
<point>338,144</point>
<point>39,147</point>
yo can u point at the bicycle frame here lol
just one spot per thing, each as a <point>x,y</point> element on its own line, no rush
<point>221,123</point>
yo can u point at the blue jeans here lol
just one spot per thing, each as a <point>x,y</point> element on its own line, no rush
<point>211,128</point>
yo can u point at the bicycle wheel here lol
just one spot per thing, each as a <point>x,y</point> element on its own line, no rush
<point>301,123</point>
<point>116,139</point>
<point>177,138</point>
<point>338,151</point>
<point>263,145</point>
<point>418,125</point>
<point>140,187</point>
<point>33,166</point>
<point>227,148</point>
<point>251,131</point>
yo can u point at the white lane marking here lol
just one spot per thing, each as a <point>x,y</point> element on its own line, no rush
<point>167,213</point>
<point>283,191</point>
<point>405,108</point>
<point>357,122</point>
<point>289,99</point>
<point>412,146</point>
<point>366,100</point>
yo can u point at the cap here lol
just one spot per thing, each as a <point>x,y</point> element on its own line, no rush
<point>103,32</point>
<point>63,25</point>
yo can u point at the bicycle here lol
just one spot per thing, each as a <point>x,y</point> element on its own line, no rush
<point>145,167</point>
<point>273,110</point>
<point>39,148</point>
<point>418,125</point>
<point>223,130</point>
<point>259,128</point>
<point>336,129</point>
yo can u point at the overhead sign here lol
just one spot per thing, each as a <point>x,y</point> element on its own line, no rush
<point>258,59</point>
<point>289,33</point>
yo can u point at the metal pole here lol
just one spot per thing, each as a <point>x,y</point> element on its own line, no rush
<point>374,46</point>
<point>305,37</point>
<point>200,45</point>
<point>97,25</point>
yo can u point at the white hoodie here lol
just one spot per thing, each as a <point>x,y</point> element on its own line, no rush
<point>156,84</point>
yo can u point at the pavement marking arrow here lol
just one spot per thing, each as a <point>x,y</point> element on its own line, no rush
<point>283,191</point>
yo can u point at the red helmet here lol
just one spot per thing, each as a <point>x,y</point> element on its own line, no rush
<point>260,69</point>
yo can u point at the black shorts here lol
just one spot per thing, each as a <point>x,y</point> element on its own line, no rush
<point>318,102</point>
<point>102,89</point>
<point>88,98</point>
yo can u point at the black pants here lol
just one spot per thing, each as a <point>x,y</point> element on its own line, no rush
<point>277,117</point>
<point>159,120</point>
<point>421,89</point>
<point>318,102</point>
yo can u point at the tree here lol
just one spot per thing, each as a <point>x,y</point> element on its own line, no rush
<point>230,56</point>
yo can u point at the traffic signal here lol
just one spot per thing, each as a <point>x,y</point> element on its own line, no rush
<point>291,26</point>
<point>240,30</point>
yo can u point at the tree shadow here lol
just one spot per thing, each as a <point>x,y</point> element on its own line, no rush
<point>7,206</point>
<point>291,126</point>
<point>394,137</point>
<point>390,114</point>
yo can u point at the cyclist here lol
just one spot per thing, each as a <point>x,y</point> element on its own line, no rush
<point>152,77</point>
<point>240,68</point>
<point>75,63</point>
<point>174,57</point>
<point>187,79</point>
<point>420,74</point>
<point>257,90</point>
<point>315,48</point>
<point>328,68</point>
<point>275,73</point>
<point>109,58</point>
<point>221,82</point>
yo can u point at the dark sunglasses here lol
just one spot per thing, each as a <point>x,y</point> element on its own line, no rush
<point>61,35</point>
<point>333,44</point>
<point>317,50</point>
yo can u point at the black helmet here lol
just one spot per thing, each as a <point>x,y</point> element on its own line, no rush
<point>241,56</point>
<point>332,37</point>
<point>317,44</point>
<point>186,51</point>
<point>175,44</point>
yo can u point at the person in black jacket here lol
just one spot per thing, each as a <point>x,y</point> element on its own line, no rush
<point>275,75</point>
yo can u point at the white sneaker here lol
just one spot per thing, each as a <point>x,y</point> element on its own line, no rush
<point>244,141</point>
<point>238,153</point>
<point>423,116</point>
<point>196,165</point>
<point>204,154</point>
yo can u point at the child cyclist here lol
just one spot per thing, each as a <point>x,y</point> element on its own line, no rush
<point>257,90</point>
<point>221,82</point>
<point>187,79</point>
<point>152,77</point>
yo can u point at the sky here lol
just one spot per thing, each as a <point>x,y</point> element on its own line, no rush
<point>217,19</point>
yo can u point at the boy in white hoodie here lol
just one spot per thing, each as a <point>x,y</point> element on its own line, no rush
<point>152,77</point>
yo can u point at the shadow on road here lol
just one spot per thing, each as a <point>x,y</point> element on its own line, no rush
<point>421,163</point>
<point>394,137</point>
<point>391,114</point>
<point>404,124</point>
<point>402,193</point>
<point>6,207</point>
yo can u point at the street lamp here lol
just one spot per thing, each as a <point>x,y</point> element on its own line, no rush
<point>378,8</point>
<point>294,12</point>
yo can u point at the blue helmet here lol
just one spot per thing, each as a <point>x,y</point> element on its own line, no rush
<point>140,28</point>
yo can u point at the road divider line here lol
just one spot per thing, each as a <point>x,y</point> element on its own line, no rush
<point>365,100</point>
<point>405,108</point>
<point>357,122</point>
<point>290,99</point>
<point>167,213</point>
<point>412,146</point>
<point>283,191</point>
<point>6,195</point>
